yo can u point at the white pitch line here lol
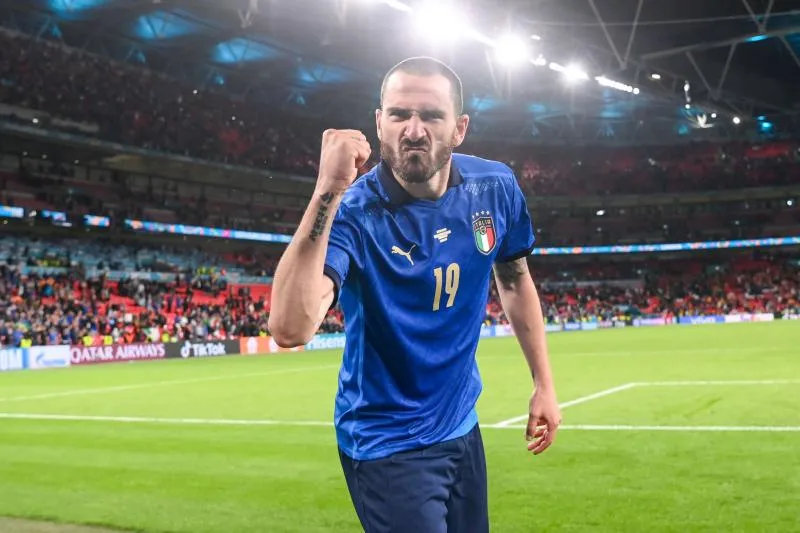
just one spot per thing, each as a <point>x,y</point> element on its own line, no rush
<point>774,429</point>
<point>576,401</point>
<point>315,423</point>
<point>676,351</point>
<point>157,420</point>
<point>719,382</point>
<point>100,390</point>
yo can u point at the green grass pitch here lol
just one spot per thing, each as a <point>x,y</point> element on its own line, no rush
<point>683,428</point>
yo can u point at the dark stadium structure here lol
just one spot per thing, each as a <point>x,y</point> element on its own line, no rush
<point>128,126</point>
<point>325,59</point>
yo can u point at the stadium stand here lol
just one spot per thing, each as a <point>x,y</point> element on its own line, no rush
<point>59,291</point>
<point>67,187</point>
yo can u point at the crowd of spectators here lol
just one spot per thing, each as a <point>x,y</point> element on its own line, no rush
<point>69,308</point>
<point>686,287</point>
<point>139,107</point>
<point>135,106</point>
<point>655,170</point>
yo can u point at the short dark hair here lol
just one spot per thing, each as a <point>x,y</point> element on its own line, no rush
<point>428,66</point>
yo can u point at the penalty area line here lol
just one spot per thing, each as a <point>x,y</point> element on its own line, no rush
<point>733,382</point>
<point>576,401</point>
<point>769,429</point>
<point>315,423</point>
<point>151,384</point>
<point>159,420</point>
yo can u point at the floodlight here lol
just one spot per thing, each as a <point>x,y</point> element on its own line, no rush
<point>605,82</point>
<point>510,50</point>
<point>441,21</point>
<point>655,76</point>
<point>573,73</point>
<point>737,120</point>
<point>400,6</point>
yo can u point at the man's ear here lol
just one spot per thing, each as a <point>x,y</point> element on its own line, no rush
<point>378,115</point>
<point>462,125</point>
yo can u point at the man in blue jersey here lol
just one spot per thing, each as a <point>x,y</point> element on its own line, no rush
<point>408,251</point>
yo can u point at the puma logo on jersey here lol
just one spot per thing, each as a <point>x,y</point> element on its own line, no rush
<point>407,255</point>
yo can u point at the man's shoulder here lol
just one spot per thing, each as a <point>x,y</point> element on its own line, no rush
<point>471,166</point>
<point>362,193</point>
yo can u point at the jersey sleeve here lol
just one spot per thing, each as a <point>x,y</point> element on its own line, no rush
<point>519,237</point>
<point>344,246</point>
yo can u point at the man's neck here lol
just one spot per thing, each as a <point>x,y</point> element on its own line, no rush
<point>433,189</point>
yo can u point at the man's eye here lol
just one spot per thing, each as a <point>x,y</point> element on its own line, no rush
<point>430,117</point>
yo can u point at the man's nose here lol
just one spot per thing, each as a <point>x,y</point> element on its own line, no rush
<point>415,129</point>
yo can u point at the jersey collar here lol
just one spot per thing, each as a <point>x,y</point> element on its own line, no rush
<point>397,195</point>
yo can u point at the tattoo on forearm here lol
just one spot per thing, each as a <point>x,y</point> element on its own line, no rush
<point>322,216</point>
<point>508,274</point>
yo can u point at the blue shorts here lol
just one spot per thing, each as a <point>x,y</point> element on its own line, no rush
<point>437,489</point>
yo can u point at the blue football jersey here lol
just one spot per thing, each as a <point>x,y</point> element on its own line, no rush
<point>412,277</point>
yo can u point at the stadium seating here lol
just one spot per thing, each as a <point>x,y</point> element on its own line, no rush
<point>78,291</point>
<point>135,106</point>
<point>55,293</point>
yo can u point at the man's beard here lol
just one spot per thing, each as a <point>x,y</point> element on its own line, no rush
<point>416,167</point>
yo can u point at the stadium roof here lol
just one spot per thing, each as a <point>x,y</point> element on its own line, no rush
<point>741,58</point>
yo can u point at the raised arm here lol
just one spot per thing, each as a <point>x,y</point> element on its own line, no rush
<point>301,293</point>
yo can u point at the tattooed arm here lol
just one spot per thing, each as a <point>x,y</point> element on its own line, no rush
<point>524,311</point>
<point>301,294</point>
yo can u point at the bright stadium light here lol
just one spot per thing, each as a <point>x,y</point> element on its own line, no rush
<point>655,76</point>
<point>396,4</point>
<point>737,120</point>
<point>605,82</point>
<point>540,61</point>
<point>510,50</point>
<point>713,115</point>
<point>441,21</point>
<point>573,73</point>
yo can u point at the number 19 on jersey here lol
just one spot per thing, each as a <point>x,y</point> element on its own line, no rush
<point>447,280</point>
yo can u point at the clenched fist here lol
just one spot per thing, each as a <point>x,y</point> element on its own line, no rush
<point>343,153</point>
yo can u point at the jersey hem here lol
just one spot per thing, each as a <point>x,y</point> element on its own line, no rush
<point>467,425</point>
